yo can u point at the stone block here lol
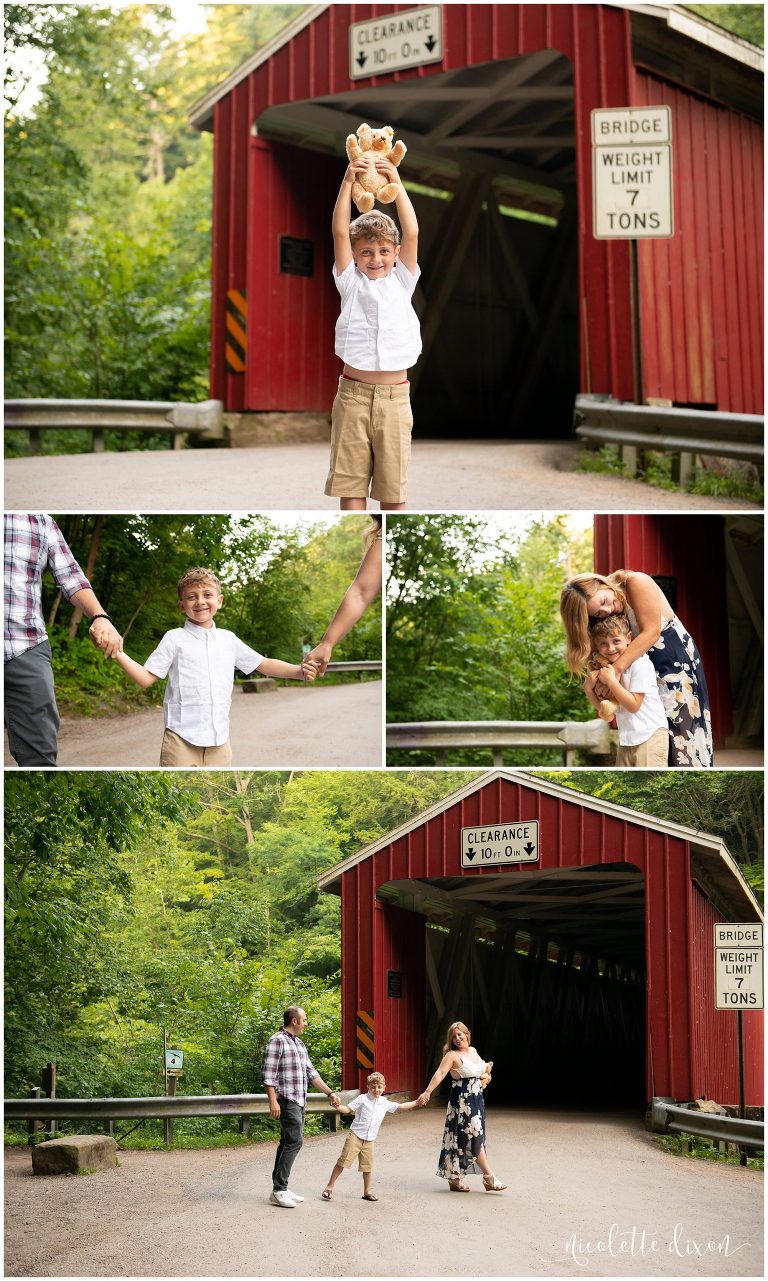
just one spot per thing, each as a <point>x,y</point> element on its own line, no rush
<point>75,1154</point>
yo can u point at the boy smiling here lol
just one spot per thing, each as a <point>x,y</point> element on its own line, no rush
<point>199,660</point>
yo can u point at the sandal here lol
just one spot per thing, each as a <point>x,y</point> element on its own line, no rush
<point>456,1185</point>
<point>369,1196</point>
<point>327,1194</point>
<point>491,1184</point>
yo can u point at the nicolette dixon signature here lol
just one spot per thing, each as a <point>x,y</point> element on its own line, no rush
<point>637,1243</point>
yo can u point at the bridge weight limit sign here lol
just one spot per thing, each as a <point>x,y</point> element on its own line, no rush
<point>739,982</point>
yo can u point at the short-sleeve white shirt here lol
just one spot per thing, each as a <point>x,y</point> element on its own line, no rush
<point>200,665</point>
<point>369,1114</point>
<point>637,727</point>
<point>377,327</point>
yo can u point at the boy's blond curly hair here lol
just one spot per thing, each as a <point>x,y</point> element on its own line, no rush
<point>197,575</point>
<point>374,226</point>
<point>609,626</point>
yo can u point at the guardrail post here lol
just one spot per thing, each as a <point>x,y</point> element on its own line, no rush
<point>34,1127</point>
<point>168,1120</point>
<point>629,459</point>
<point>245,1126</point>
<point>97,440</point>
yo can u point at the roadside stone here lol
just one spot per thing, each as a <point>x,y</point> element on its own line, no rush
<point>75,1154</point>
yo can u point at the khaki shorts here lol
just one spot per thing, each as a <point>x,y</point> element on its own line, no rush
<point>360,1148</point>
<point>371,428</point>
<point>177,751</point>
<point>654,751</point>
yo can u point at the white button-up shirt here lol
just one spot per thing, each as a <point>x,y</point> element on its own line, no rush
<point>200,665</point>
<point>377,327</point>
<point>369,1114</point>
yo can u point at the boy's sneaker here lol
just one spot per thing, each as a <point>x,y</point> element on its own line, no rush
<point>283,1199</point>
<point>295,1195</point>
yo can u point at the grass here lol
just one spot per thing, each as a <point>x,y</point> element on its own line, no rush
<point>730,480</point>
<point>705,1150</point>
<point>191,1133</point>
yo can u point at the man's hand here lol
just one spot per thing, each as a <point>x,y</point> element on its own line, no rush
<point>274,1108</point>
<point>321,655</point>
<point>105,637</point>
<point>309,668</point>
<point>334,1100</point>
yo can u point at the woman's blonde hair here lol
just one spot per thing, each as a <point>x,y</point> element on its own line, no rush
<point>455,1027</point>
<point>574,612</point>
<point>373,531</point>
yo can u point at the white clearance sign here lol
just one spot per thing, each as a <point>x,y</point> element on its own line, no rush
<point>739,967</point>
<point>396,41</point>
<point>500,844</point>
<point>632,173</point>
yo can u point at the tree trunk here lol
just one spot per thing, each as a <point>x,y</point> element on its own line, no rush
<point>93,553</point>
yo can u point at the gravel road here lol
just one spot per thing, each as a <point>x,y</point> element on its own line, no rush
<point>589,1195</point>
<point>444,476</point>
<point>290,728</point>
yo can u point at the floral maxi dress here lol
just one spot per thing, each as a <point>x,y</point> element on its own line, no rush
<point>683,690</point>
<point>464,1133</point>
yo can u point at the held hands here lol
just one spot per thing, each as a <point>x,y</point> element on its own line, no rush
<point>321,655</point>
<point>308,669</point>
<point>334,1100</point>
<point>105,637</point>
<point>423,1099</point>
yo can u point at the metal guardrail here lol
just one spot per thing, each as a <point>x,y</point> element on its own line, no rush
<point>161,1106</point>
<point>257,684</point>
<point>602,420</point>
<point>443,736</point>
<point>205,419</point>
<point>667,1117</point>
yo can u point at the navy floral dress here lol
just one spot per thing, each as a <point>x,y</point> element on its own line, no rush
<point>683,690</point>
<point>464,1133</point>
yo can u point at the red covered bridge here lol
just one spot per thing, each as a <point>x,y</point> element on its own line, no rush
<point>586,973</point>
<point>522,306</point>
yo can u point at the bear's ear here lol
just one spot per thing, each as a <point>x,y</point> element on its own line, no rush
<point>362,129</point>
<point>389,131</point>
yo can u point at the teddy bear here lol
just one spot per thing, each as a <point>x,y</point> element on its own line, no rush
<point>607,709</point>
<point>372,186</point>
<point>485,1078</point>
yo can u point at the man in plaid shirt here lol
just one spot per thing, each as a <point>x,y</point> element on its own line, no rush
<point>33,541</point>
<point>286,1075</point>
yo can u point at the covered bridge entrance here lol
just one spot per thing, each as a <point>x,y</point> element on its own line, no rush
<point>585,971</point>
<point>521,306</point>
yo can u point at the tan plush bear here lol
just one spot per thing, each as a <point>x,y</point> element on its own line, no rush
<point>607,709</point>
<point>485,1078</point>
<point>372,186</point>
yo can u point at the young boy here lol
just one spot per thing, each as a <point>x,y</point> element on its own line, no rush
<point>199,660</point>
<point>377,337</point>
<point>369,1111</point>
<point>640,715</point>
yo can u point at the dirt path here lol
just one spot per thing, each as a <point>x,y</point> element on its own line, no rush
<point>444,476</point>
<point>588,1196</point>
<point>288,728</point>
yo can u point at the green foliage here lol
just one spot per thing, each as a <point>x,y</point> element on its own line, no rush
<point>473,630</point>
<point>705,1150</point>
<point>745,20</point>
<point>108,201</point>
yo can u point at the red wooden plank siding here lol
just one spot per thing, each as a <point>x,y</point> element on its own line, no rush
<point>570,836</point>
<point>680,546</point>
<point>714,1033</point>
<point>700,293</point>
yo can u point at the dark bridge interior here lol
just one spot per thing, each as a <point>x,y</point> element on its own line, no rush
<point>547,969</point>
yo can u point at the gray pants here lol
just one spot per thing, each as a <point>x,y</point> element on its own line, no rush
<point>31,714</point>
<point>291,1139</point>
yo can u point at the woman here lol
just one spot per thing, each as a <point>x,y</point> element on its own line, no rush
<point>659,633</point>
<point>362,591</point>
<point>463,1147</point>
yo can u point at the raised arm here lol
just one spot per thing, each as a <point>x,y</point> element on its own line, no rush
<point>409,225</point>
<point>342,212</point>
<point>645,599</point>
<point>447,1062</point>
<point>361,592</point>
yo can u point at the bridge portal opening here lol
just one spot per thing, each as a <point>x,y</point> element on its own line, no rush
<point>491,170</point>
<point>547,968</point>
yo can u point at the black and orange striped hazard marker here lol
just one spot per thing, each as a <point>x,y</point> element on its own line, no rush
<point>237,318</point>
<point>365,1039</point>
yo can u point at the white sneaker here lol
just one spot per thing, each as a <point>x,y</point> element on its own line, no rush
<point>282,1199</point>
<point>295,1195</point>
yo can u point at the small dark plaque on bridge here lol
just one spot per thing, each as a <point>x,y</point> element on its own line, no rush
<point>297,257</point>
<point>394,983</point>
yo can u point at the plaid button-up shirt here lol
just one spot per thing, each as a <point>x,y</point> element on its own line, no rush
<point>32,542</point>
<point>287,1066</point>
